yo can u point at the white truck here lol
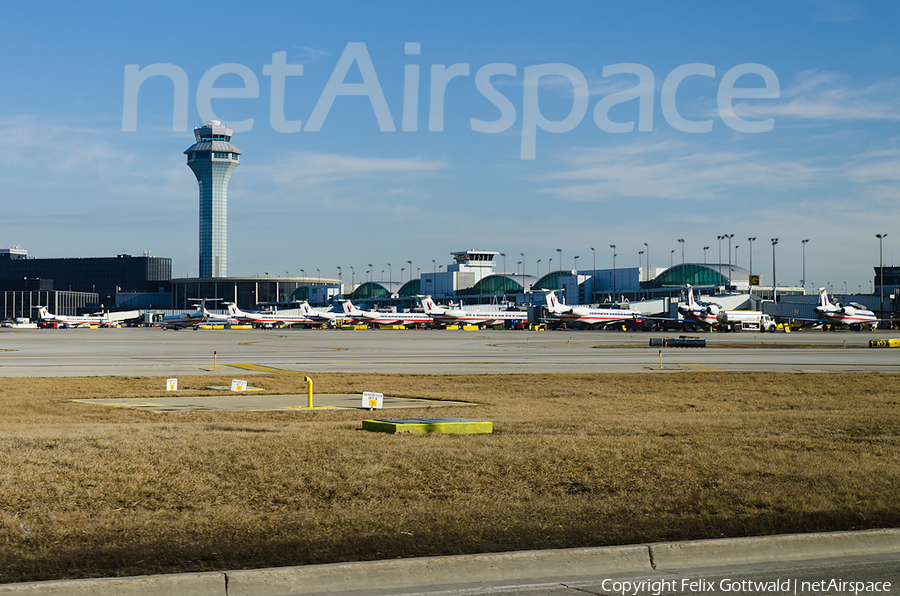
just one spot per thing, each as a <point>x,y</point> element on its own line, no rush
<point>745,320</point>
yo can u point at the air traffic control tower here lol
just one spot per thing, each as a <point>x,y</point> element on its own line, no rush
<point>213,159</point>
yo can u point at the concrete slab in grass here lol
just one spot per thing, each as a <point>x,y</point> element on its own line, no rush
<point>421,426</point>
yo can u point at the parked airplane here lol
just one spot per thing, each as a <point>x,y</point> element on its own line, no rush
<point>704,315</point>
<point>275,319</point>
<point>853,315</point>
<point>387,318</point>
<point>462,317</point>
<point>182,320</point>
<point>587,315</point>
<point>324,317</point>
<point>72,320</point>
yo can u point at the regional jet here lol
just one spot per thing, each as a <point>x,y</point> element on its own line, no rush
<point>453,316</point>
<point>387,318</point>
<point>182,320</point>
<point>275,319</point>
<point>586,315</point>
<point>72,321</point>
<point>325,317</point>
<point>704,315</point>
<point>852,315</point>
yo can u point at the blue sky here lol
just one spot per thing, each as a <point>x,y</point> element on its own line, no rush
<point>75,182</point>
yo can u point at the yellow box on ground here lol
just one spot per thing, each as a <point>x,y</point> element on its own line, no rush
<point>422,426</point>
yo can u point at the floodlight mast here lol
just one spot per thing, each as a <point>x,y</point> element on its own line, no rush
<point>881,271</point>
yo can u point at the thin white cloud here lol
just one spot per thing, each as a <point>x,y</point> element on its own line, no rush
<point>29,142</point>
<point>673,171</point>
<point>669,170</point>
<point>310,169</point>
<point>306,54</point>
<point>828,96</point>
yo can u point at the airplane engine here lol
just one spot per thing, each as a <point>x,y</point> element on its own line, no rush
<point>713,310</point>
<point>848,310</point>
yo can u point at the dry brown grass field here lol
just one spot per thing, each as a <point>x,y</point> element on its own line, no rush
<point>575,460</point>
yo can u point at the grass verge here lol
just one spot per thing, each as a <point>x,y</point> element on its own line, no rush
<point>575,460</point>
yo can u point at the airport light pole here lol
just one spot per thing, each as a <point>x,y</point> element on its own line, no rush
<point>640,264</point>
<point>803,281</point>
<point>647,248</point>
<point>705,248</point>
<point>774,242</point>
<point>736,246</point>
<point>559,250</point>
<point>402,269</point>
<point>576,264</point>
<point>503,254</point>
<point>681,242</point>
<point>881,271</point>
<point>538,268</point>
<point>729,236</point>
<point>750,240</point>
<point>352,278</point>
<point>410,269</point>
<point>523,275</point>
<point>390,276</point>
<point>613,246</point>
<point>371,273</point>
<point>719,238</point>
<point>672,258</point>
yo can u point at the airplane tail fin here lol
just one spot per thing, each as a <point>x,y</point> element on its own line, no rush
<point>823,298</point>
<point>691,302</point>
<point>553,304</point>
<point>428,304</point>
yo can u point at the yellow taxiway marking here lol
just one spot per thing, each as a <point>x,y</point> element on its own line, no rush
<point>700,367</point>
<point>261,368</point>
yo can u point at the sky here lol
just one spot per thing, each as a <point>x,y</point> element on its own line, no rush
<point>417,129</point>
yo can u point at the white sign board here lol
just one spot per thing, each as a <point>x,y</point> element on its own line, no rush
<point>372,400</point>
<point>171,384</point>
<point>237,385</point>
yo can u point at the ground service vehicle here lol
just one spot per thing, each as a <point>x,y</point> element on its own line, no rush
<point>746,320</point>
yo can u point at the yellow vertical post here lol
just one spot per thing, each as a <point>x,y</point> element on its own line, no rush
<point>214,360</point>
<point>309,389</point>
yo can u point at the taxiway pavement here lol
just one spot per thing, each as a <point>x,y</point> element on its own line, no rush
<point>153,352</point>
